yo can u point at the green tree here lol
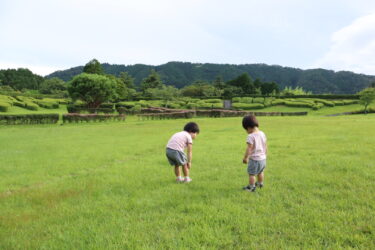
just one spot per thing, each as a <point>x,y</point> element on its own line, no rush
<point>289,91</point>
<point>93,67</point>
<point>122,91</point>
<point>219,83</point>
<point>20,79</point>
<point>52,86</point>
<point>152,81</point>
<point>166,93</point>
<point>93,89</point>
<point>366,97</point>
<point>267,88</point>
<point>244,82</point>
<point>201,89</point>
<point>127,80</point>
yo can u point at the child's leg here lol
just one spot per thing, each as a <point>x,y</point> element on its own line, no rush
<point>252,180</point>
<point>177,171</point>
<point>261,177</point>
<point>185,169</point>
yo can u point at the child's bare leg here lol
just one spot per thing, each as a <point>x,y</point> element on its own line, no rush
<point>261,177</point>
<point>185,169</point>
<point>177,171</point>
<point>252,180</point>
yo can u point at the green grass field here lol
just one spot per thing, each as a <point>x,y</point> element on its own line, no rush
<point>108,186</point>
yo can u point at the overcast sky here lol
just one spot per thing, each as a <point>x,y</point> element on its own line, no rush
<point>49,35</point>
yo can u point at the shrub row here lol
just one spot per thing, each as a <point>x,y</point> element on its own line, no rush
<point>4,106</point>
<point>247,106</point>
<point>80,108</point>
<point>29,119</point>
<point>74,117</point>
<point>213,113</point>
<point>187,114</point>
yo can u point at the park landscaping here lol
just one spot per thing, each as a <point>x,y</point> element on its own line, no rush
<point>108,185</point>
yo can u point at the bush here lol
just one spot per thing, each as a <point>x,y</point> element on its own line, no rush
<point>31,106</point>
<point>317,106</point>
<point>4,107</point>
<point>278,102</point>
<point>339,103</point>
<point>247,106</point>
<point>213,101</point>
<point>48,105</point>
<point>298,104</point>
<point>127,105</point>
<point>204,105</point>
<point>258,100</point>
<point>29,119</point>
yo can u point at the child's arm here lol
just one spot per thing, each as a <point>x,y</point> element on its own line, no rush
<point>248,151</point>
<point>190,154</point>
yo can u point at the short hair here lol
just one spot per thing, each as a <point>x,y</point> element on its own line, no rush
<point>191,127</point>
<point>250,121</point>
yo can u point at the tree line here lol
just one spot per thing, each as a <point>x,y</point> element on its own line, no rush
<point>181,74</point>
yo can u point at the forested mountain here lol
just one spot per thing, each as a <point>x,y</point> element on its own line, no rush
<point>180,74</point>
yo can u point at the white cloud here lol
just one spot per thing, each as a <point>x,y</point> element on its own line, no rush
<point>352,47</point>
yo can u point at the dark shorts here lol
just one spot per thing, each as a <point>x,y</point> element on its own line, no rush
<point>176,157</point>
<point>256,167</point>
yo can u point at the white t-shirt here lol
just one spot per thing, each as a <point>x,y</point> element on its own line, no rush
<point>258,140</point>
<point>180,141</point>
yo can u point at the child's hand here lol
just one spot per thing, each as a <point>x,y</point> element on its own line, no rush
<point>245,160</point>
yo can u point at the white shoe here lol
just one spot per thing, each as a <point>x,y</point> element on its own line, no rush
<point>179,179</point>
<point>188,179</point>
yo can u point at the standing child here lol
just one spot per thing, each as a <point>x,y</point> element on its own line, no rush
<point>256,150</point>
<point>175,151</point>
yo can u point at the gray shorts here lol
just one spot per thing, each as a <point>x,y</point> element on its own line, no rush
<point>176,157</point>
<point>256,167</point>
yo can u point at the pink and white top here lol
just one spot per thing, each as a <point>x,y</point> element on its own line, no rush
<point>258,140</point>
<point>180,141</point>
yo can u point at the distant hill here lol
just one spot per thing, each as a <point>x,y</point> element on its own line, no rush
<point>180,74</point>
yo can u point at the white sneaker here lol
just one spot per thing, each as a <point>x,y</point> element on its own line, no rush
<point>179,179</point>
<point>188,179</point>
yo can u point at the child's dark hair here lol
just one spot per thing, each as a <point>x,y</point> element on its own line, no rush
<point>191,127</point>
<point>250,121</point>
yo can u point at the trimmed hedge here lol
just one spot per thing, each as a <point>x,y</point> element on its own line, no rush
<point>82,108</point>
<point>29,119</point>
<point>4,106</point>
<point>75,117</point>
<point>247,106</point>
<point>173,115</point>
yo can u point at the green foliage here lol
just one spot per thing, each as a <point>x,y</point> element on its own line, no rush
<point>29,119</point>
<point>289,91</point>
<point>247,106</point>
<point>151,81</point>
<point>366,97</point>
<point>4,106</point>
<point>127,80</point>
<point>181,74</point>
<point>201,89</point>
<point>52,86</point>
<point>244,82</point>
<point>20,79</point>
<point>93,89</point>
<point>164,92</point>
<point>93,67</point>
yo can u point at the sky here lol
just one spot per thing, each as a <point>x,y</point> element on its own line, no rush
<point>49,35</point>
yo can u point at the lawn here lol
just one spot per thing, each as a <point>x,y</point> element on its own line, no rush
<point>108,186</point>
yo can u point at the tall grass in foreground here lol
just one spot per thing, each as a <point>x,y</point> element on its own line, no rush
<point>109,186</point>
